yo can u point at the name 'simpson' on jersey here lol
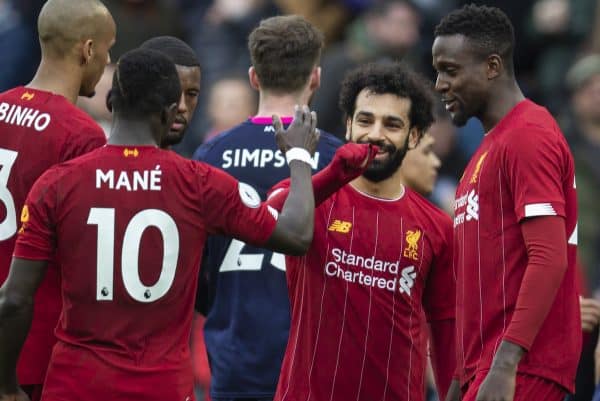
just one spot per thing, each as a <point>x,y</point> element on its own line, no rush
<point>145,180</point>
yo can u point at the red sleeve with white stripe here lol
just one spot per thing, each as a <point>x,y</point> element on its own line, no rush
<point>535,168</point>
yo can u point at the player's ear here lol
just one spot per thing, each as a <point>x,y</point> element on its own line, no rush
<point>254,82</point>
<point>414,136</point>
<point>495,65</point>
<point>348,129</point>
<point>315,79</point>
<point>87,51</point>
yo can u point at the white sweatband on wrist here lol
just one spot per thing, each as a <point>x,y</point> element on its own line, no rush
<point>298,154</point>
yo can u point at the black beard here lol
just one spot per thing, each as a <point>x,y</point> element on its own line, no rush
<point>382,170</point>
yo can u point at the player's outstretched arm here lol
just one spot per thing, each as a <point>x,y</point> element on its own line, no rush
<point>294,230</point>
<point>350,161</point>
<point>16,308</point>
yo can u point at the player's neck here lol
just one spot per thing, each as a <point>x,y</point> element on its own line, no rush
<point>57,78</point>
<point>390,188</point>
<point>131,132</point>
<point>282,105</point>
<point>502,101</point>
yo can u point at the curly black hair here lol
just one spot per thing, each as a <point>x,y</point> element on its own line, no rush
<point>394,78</point>
<point>487,28</point>
<point>145,81</point>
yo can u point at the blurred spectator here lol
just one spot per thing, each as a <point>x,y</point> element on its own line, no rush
<point>96,106</point>
<point>139,20</point>
<point>581,124</point>
<point>328,16</point>
<point>558,28</point>
<point>230,102</point>
<point>18,45</point>
<point>220,40</point>
<point>387,31</point>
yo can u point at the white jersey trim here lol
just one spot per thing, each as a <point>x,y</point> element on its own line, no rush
<point>539,209</point>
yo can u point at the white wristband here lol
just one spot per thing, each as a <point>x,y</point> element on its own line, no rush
<point>298,154</point>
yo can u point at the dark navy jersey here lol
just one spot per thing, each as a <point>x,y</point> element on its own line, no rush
<point>243,289</point>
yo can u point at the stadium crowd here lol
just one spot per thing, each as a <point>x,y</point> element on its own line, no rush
<point>218,61</point>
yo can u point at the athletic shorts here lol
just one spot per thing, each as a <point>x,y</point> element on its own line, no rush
<point>528,388</point>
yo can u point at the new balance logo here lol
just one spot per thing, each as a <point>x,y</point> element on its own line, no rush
<point>131,152</point>
<point>472,206</point>
<point>407,281</point>
<point>340,226</point>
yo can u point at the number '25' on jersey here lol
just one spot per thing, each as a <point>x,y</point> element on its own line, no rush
<point>127,226</point>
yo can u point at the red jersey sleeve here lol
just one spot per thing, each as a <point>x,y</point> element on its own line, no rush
<point>533,165</point>
<point>84,138</point>
<point>36,237</point>
<point>234,208</point>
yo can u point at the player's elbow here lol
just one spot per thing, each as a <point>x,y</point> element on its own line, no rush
<point>13,303</point>
<point>301,244</point>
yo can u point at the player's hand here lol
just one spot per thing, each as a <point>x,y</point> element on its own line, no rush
<point>499,385</point>
<point>590,313</point>
<point>352,159</point>
<point>302,132</point>
<point>20,395</point>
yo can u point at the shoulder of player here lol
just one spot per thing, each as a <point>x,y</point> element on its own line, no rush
<point>329,141</point>
<point>428,211</point>
<point>215,144</point>
<point>75,121</point>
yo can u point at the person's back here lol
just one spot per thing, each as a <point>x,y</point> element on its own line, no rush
<point>247,290</point>
<point>40,127</point>
<point>150,209</point>
<point>244,291</point>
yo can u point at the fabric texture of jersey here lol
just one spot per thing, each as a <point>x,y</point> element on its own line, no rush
<point>127,226</point>
<point>358,296</point>
<point>522,169</point>
<point>244,287</point>
<point>38,129</point>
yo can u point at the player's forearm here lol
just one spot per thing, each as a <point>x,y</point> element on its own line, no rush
<point>546,244</point>
<point>15,320</point>
<point>443,353</point>
<point>294,231</point>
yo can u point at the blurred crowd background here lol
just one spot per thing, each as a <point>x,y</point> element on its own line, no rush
<point>557,63</point>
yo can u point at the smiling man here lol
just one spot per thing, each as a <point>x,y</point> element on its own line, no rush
<point>188,70</point>
<point>381,255</point>
<point>515,228</point>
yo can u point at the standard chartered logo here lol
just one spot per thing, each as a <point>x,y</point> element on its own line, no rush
<point>472,206</point>
<point>371,272</point>
<point>407,280</point>
<point>470,203</point>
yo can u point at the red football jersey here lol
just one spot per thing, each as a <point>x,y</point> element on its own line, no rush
<point>523,168</point>
<point>127,227</point>
<point>37,130</point>
<point>357,299</point>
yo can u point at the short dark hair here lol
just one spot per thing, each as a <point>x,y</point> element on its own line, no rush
<point>393,78</point>
<point>145,81</point>
<point>487,28</point>
<point>176,49</point>
<point>284,50</point>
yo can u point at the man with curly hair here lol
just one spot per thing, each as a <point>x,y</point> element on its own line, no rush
<point>515,225</point>
<point>379,263</point>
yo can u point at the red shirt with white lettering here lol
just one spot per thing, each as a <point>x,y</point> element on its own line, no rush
<point>523,168</point>
<point>127,226</point>
<point>37,130</point>
<point>357,299</point>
